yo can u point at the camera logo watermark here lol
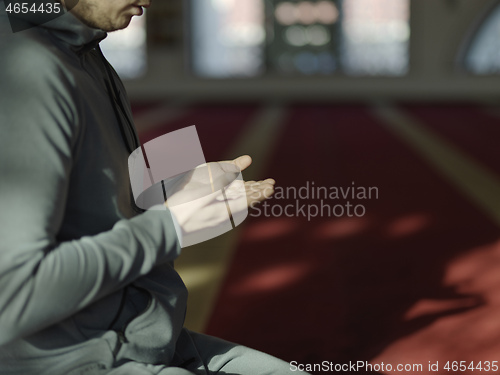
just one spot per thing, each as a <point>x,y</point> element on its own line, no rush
<point>205,200</point>
<point>310,201</point>
<point>25,14</point>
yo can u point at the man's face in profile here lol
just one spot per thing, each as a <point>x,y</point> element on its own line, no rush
<point>108,15</point>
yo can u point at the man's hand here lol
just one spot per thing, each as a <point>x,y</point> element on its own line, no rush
<point>257,191</point>
<point>203,200</point>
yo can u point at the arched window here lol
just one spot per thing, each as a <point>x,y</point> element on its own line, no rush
<point>482,52</point>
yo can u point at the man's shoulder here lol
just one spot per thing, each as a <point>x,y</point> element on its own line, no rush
<point>31,57</point>
<point>35,82</point>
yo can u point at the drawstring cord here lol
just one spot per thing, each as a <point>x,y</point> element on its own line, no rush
<point>117,104</point>
<point>132,141</point>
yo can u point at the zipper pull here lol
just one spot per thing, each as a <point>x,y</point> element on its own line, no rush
<point>121,337</point>
<point>119,343</point>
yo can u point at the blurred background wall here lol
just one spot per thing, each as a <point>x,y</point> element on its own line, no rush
<point>438,35</point>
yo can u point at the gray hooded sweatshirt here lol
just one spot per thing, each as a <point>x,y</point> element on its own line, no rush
<point>86,280</point>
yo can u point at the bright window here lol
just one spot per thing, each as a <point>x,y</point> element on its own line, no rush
<point>483,53</point>
<point>297,37</point>
<point>375,37</point>
<point>126,49</point>
<point>227,37</point>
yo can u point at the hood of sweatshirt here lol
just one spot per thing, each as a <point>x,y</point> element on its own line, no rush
<point>75,33</point>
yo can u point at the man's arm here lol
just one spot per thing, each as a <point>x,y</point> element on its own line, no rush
<point>42,281</point>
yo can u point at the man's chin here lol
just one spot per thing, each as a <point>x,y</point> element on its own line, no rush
<point>123,24</point>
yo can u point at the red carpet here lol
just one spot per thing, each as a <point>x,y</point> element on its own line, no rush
<point>469,127</point>
<point>217,125</point>
<point>414,280</point>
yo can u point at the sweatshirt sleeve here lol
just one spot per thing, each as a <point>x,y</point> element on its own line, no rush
<point>43,281</point>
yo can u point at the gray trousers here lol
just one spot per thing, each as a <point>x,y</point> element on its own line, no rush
<point>198,354</point>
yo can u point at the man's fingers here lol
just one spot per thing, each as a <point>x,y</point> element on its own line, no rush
<point>259,191</point>
<point>270,181</point>
<point>267,189</point>
<point>251,184</point>
<point>243,162</point>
